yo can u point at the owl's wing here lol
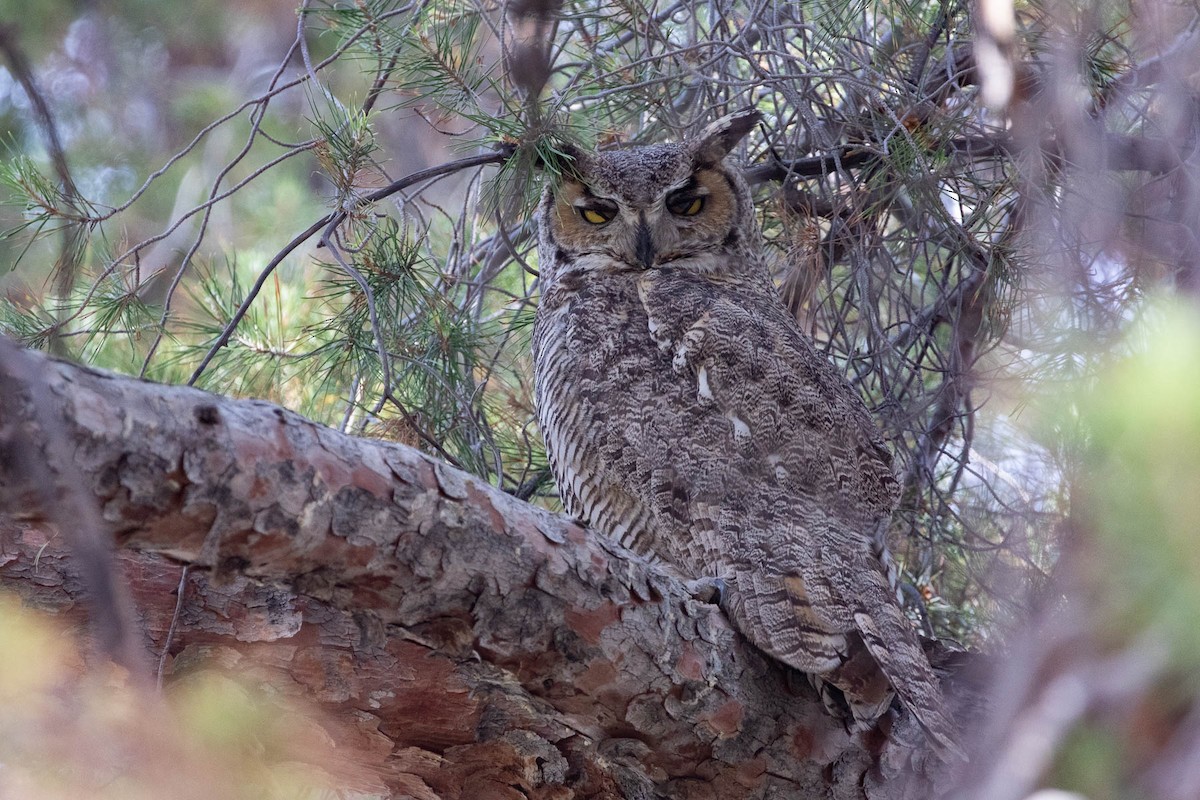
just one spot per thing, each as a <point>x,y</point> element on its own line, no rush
<point>816,597</point>
<point>784,485</point>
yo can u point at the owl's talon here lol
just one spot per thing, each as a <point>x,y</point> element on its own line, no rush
<point>708,590</point>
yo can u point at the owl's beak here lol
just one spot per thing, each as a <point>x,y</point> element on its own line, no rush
<point>644,243</point>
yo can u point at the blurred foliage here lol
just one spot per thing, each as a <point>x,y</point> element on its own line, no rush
<point>1101,696</point>
<point>74,733</point>
<point>958,262</point>
<point>1141,484</point>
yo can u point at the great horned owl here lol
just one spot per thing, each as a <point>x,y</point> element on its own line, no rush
<point>686,416</point>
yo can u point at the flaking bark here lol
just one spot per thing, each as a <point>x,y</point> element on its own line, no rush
<point>464,643</point>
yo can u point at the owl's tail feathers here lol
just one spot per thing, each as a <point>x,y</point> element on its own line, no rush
<point>894,646</point>
<point>777,615</point>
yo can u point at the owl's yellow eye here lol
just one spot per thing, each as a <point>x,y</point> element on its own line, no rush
<point>685,206</point>
<point>595,216</point>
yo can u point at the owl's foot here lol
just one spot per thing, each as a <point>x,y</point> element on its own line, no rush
<point>800,683</point>
<point>835,702</point>
<point>708,590</point>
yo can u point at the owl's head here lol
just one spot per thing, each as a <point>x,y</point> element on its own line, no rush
<point>673,206</point>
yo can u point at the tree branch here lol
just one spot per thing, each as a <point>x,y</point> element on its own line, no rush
<point>482,636</point>
<point>73,230</point>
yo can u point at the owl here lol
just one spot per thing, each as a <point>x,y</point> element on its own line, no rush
<point>686,416</point>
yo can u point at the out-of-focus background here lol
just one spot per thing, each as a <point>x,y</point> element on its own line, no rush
<point>986,214</point>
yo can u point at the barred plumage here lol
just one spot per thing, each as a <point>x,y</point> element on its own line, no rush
<point>687,416</point>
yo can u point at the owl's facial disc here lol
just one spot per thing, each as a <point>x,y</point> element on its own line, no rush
<point>686,224</point>
<point>695,217</point>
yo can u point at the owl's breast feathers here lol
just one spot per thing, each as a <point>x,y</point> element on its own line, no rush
<point>595,397</point>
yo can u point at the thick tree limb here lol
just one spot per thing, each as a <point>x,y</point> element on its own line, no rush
<point>470,644</point>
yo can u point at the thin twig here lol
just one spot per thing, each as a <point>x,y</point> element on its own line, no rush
<point>170,637</point>
<point>73,232</point>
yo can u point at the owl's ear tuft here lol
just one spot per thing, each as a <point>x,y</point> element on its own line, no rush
<point>561,160</point>
<point>557,156</point>
<point>722,136</point>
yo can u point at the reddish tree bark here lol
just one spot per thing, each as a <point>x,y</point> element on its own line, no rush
<point>464,644</point>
